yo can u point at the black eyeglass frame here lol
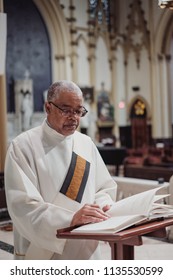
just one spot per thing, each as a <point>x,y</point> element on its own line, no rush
<point>69,112</point>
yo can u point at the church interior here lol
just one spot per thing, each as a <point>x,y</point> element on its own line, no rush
<point>120,53</point>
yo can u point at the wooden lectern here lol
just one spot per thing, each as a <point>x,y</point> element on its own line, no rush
<point>122,243</point>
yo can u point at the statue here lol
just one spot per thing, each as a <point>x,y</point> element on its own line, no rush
<point>85,122</point>
<point>104,107</point>
<point>26,109</point>
<point>44,98</point>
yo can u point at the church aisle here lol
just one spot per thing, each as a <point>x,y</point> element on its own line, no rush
<point>152,249</point>
<point>6,242</point>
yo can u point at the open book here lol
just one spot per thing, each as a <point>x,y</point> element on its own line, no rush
<point>139,208</point>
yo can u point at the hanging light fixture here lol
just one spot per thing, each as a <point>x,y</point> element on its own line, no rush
<point>166,4</point>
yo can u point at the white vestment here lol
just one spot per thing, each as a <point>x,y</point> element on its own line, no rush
<point>36,166</point>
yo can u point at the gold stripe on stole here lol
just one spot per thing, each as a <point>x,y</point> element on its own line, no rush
<point>76,181</point>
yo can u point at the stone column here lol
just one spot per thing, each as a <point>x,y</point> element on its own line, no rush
<point>3,121</point>
<point>114,100</point>
<point>3,114</point>
<point>164,97</point>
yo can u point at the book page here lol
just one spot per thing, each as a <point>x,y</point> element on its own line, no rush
<point>161,210</point>
<point>138,204</point>
<point>112,225</point>
<point>130,211</point>
<point>160,197</point>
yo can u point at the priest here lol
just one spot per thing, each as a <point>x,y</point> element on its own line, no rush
<point>55,178</point>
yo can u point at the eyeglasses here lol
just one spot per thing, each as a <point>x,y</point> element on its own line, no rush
<point>68,112</point>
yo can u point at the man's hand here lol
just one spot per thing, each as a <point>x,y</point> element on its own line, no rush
<point>90,213</point>
<point>106,207</point>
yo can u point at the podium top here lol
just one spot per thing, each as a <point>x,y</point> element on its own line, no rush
<point>153,228</point>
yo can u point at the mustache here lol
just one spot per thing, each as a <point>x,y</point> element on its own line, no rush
<point>71,123</point>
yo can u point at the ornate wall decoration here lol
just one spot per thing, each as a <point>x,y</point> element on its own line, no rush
<point>100,22</point>
<point>137,36</point>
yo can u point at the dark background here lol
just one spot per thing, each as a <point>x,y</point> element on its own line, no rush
<point>28,47</point>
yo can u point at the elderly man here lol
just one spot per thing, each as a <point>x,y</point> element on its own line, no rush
<point>54,178</point>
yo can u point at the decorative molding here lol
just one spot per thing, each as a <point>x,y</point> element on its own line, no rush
<point>71,19</point>
<point>137,35</point>
<point>99,25</point>
<point>73,31</point>
<point>92,46</point>
<point>73,54</point>
<point>91,34</point>
<point>168,57</point>
<point>59,57</point>
<point>162,56</point>
<point>91,57</point>
<point>74,43</point>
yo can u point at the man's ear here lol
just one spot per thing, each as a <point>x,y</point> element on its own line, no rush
<point>47,107</point>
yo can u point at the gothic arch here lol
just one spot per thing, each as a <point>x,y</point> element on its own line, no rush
<point>106,41</point>
<point>132,101</point>
<point>56,24</point>
<point>82,38</point>
<point>82,53</point>
<point>163,81</point>
<point>138,115</point>
<point>164,32</point>
<point>102,76</point>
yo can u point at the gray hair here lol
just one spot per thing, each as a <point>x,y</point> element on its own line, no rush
<point>62,86</point>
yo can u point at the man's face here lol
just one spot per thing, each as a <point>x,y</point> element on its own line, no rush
<point>68,101</point>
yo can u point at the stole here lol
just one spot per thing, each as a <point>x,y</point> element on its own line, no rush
<point>76,178</point>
